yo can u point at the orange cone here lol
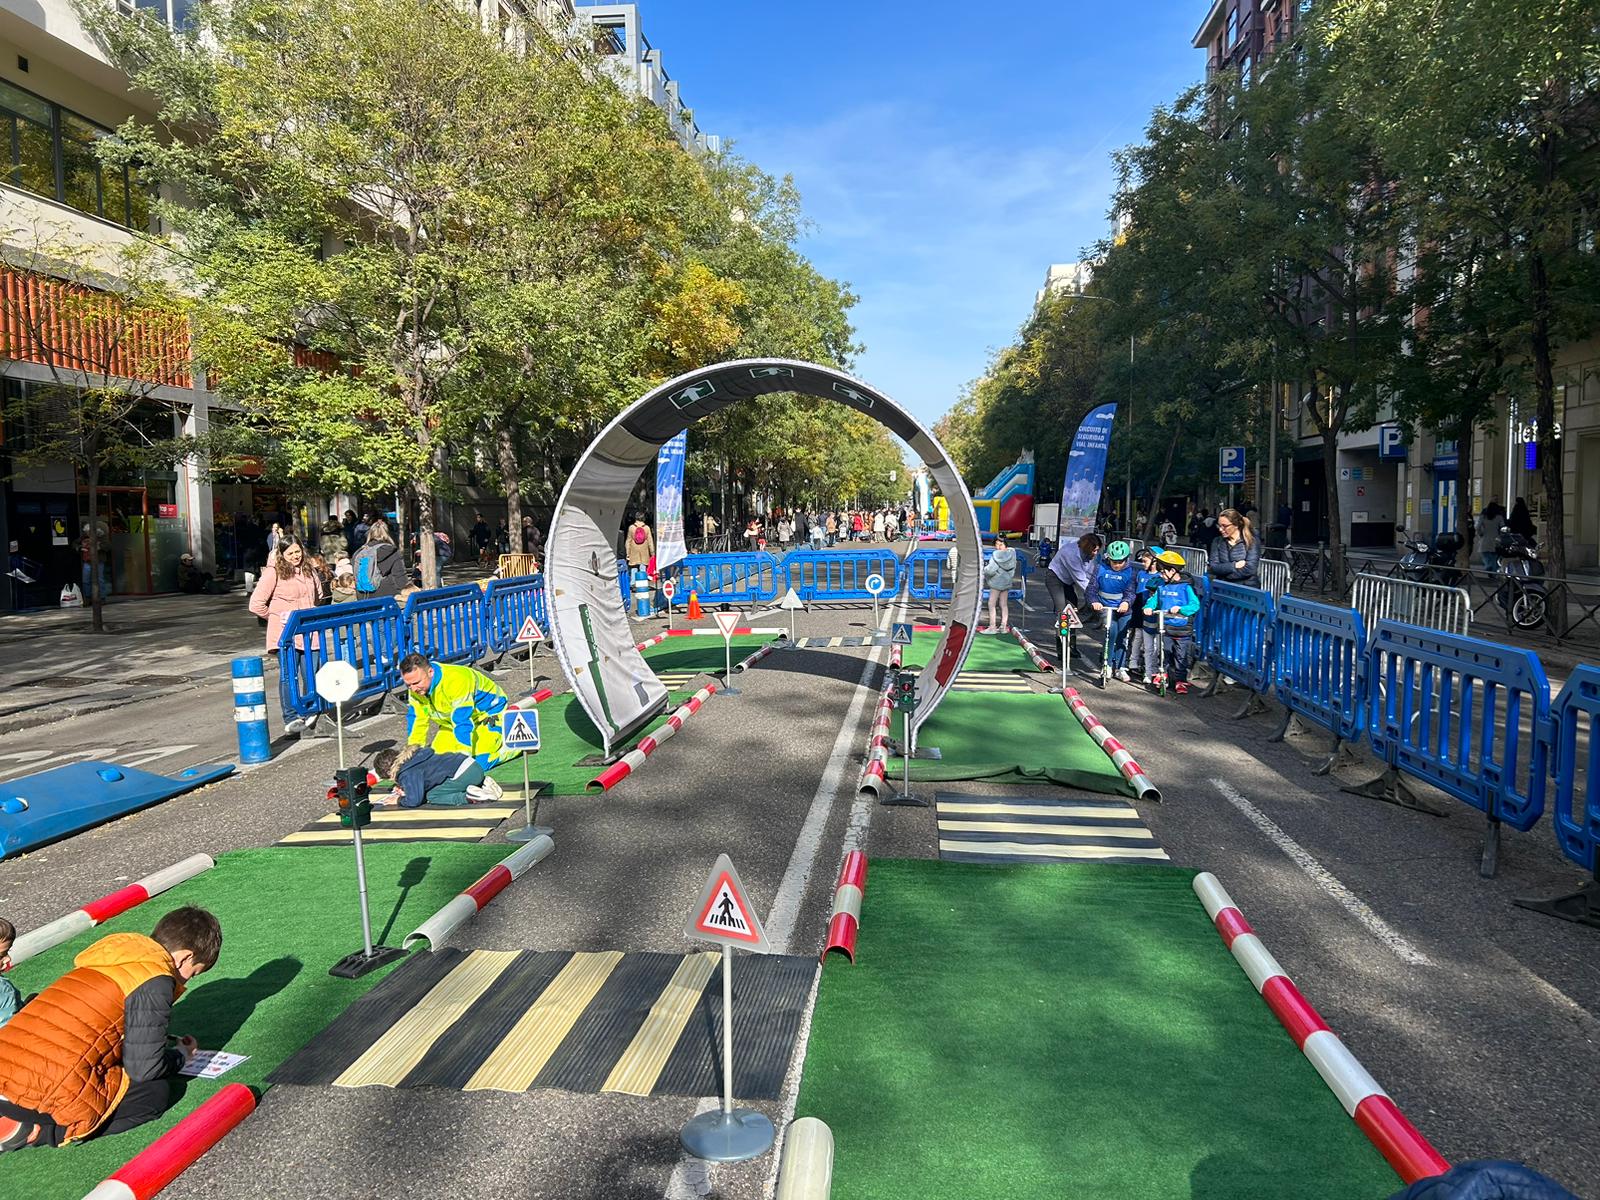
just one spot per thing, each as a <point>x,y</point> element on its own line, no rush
<point>694,607</point>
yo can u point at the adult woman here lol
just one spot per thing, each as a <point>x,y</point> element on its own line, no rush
<point>877,526</point>
<point>1236,552</point>
<point>999,575</point>
<point>332,539</point>
<point>1067,576</point>
<point>857,524</point>
<point>287,583</point>
<point>379,567</point>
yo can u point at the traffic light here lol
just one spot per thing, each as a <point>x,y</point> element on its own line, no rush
<point>351,789</point>
<point>905,691</point>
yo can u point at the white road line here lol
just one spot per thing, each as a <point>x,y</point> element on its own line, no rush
<point>1324,879</point>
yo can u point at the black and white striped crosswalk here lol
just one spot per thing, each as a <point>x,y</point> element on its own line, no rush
<point>1012,829</point>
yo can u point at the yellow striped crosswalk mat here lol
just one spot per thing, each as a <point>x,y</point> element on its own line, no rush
<point>992,681</point>
<point>974,828</point>
<point>641,1024</point>
<point>426,823</point>
<point>676,679</point>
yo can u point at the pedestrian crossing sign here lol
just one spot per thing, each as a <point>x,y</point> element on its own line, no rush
<point>530,631</point>
<point>900,635</point>
<point>724,913</point>
<point>522,729</point>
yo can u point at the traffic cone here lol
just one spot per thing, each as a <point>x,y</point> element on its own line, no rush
<point>694,607</point>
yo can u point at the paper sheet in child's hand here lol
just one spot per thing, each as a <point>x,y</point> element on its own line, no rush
<point>208,1064</point>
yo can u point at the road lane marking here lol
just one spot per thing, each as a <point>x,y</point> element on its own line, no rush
<point>1324,879</point>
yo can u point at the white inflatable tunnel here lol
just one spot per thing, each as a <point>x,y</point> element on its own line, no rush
<point>588,619</point>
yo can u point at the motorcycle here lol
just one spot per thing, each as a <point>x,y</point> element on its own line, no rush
<point>1425,563</point>
<point>1047,551</point>
<point>1523,596</point>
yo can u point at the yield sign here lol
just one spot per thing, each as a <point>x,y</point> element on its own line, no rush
<point>723,912</point>
<point>727,622</point>
<point>530,631</point>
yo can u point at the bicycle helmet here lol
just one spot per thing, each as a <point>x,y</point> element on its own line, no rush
<point>1118,552</point>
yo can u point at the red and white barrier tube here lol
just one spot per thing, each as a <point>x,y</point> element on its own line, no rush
<point>538,697</point>
<point>1407,1151</point>
<point>655,641</point>
<point>37,941</point>
<point>846,918</point>
<point>1039,659</point>
<point>746,663</point>
<point>463,907</point>
<point>179,1148</point>
<point>1120,756</point>
<point>874,776</point>
<point>742,630</point>
<point>625,766</point>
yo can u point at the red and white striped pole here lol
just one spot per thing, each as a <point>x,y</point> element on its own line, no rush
<point>633,759</point>
<point>37,941</point>
<point>1120,756</point>
<point>846,918</point>
<point>745,664</point>
<point>179,1148</point>
<point>874,776</point>
<point>463,907</point>
<point>1386,1127</point>
<point>1039,659</point>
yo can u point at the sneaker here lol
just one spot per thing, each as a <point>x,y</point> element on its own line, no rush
<point>486,791</point>
<point>1181,688</point>
<point>1123,676</point>
<point>1156,681</point>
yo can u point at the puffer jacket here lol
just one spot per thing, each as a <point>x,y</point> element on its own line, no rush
<point>75,1049</point>
<point>1235,563</point>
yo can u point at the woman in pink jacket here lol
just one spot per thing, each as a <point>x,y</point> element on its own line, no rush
<point>287,583</point>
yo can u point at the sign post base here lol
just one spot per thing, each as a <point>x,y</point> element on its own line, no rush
<point>354,966</point>
<point>736,1136</point>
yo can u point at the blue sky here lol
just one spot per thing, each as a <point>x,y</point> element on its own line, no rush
<point>946,153</point>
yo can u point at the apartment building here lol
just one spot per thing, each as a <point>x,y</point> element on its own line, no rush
<point>1065,279</point>
<point>637,67</point>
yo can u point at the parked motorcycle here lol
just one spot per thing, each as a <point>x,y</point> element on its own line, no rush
<point>1524,595</point>
<point>1430,563</point>
<point>1047,551</point>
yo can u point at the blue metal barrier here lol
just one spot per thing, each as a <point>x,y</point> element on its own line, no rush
<point>742,578</point>
<point>1469,717</point>
<point>1236,636</point>
<point>446,623</point>
<point>369,634</point>
<point>507,604</point>
<point>624,583</point>
<point>1319,669</point>
<point>1019,589</point>
<point>839,574</point>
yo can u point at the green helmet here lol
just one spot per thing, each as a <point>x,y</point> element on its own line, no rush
<point>1118,551</point>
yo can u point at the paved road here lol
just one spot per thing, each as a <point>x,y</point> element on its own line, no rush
<point>1481,1019</point>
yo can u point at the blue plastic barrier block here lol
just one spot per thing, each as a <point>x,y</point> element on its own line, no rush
<point>53,804</point>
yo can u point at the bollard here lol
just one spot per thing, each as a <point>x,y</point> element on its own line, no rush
<point>643,593</point>
<point>250,709</point>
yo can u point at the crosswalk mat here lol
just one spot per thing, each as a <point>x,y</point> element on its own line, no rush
<point>1012,829</point>
<point>426,823</point>
<point>508,1020</point>
<point>993,681</point>
<point>840,642</point>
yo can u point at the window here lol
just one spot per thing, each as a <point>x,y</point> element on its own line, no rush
<point>51,151</point>
<point>1233,28</point>
<point>1245,66</point>
<point>174,14</point>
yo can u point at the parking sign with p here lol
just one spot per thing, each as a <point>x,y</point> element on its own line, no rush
<point>1230,464</point>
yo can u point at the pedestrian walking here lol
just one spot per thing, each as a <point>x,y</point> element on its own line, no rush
<point>331,539</point>
<point>877,526</point>
<point>639,544</point>
<point>288,583</point>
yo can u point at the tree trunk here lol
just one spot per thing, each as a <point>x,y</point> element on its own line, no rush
<point>1467,528</point>
<point>511,481</point>
<point>1330,483</point>
<point>1161,486</point>
<point>1550,465</point>
<point>97,597</point>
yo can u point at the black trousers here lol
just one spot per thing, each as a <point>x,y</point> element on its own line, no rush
<point>144,1102</point>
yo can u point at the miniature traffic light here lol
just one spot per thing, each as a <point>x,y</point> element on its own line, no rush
<point>351,789</point>
<point>905,691</point>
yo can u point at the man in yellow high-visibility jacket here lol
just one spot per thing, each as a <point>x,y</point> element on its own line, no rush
<point>464,702</point>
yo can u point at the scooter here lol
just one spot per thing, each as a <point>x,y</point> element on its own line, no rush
<point>1424,563</point>
<point>1047,551</point>
<point>1105,649</point>
<point>1524,596</point>
<point>1161,652</point>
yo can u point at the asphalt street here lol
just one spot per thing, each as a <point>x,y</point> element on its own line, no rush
<point>1481,1019</point>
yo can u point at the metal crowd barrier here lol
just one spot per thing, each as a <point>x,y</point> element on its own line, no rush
<point>447,624</point>
<point>741,578</point>
<point>507,603</point>
<point>1274,576</point>
<point>1318,669</point>
<point>925,573</point>
<point>1467,716</point>
<point>839,574</point>
<point>1429,605</point>
<point>368,634</point>
<point>1236,637</point>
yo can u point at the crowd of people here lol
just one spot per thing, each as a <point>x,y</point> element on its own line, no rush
<point>819,528</point>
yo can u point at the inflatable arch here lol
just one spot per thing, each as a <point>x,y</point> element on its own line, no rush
<point>588,620</point>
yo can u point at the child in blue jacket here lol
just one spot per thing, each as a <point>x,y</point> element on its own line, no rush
<point>423,775</point>
<point>1176,600</point>
<point>1112,590</point>
<point>1142,633</point>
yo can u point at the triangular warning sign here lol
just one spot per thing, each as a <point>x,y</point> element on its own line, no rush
<point>530,631</point>
<point>1070,618</point>
<point>791,600</point>
<point>724,913</point>
<point>727,622</point>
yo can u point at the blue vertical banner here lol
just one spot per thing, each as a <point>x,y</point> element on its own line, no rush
<point>670,547</point>
<point>1086,474</point>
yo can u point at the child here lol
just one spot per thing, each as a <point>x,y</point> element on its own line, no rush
<point>1142,633</point>
<point>89,1054</point>
<point>1112,590</point>
<point>10,998</point>
<point>1176,599</point>
<point>423,776</point>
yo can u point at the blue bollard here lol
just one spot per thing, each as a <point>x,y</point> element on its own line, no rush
<point>250,709</point>
<point>643,594</point>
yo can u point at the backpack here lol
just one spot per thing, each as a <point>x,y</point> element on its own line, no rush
<point>638,535</point>
<point>366,562</point>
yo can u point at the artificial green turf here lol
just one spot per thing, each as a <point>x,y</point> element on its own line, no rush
<point>1005,738</point>
<point>990,652</point>
<point>1063,1030</point>
<point>701,653</point>
<point>287,915</point>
